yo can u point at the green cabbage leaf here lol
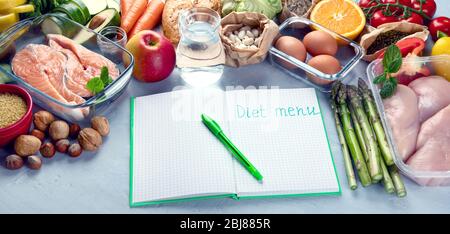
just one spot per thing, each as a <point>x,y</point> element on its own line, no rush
<point>269,8</point>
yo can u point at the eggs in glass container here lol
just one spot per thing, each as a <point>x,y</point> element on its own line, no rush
<point>292,47</point>
<point>319,42</point>
<point>326,64</point>
<point>321,46</point>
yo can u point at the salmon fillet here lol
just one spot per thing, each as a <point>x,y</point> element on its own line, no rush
<point>91,61</point>
<point>44,68</point>
<point>61,70</point>
<point>26,64</point>
<point>76,76</point>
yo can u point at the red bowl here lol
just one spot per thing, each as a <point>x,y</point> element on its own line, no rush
<point>21,127</point>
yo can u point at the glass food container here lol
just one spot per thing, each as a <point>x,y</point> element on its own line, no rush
<point>424,178</point>
<point>34,31</point>
<point>348,54</point>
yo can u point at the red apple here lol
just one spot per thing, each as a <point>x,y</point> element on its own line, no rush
<point>154,56</point>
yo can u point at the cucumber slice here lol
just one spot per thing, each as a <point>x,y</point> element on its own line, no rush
<point>83,8</point>
<point>73,11</point>
<point>56,25</point>
<point>96,6</point>
<point>113,4</point>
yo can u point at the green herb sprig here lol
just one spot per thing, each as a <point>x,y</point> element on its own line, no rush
<point>392,62</point>
<point>98,84</point>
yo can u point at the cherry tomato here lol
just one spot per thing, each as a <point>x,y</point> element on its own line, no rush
<point>367,3</point>
<point>428,6</point>
<point>414,18</point>
<point>378,18</point>
<point>439,24</point>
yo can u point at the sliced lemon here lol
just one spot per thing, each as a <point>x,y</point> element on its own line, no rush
<point>341,16</point>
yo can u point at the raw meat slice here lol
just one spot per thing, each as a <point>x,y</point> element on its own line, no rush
<point>43,68</point>
<point>433,144</point>
<point>91,61</point>
<point>26,64</point>
<point>76,77</point>
<point>52,63</point>
<point>433,93</point>
<point>403,115</point>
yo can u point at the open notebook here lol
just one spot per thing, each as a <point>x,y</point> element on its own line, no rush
<point>174,157</point>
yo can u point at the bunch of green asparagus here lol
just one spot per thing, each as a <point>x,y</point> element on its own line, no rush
<point>363,139</point>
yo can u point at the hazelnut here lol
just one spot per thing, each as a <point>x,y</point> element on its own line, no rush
<point>39,134</point>
<point>14,162</point>
<point>62,145</point>
<point>75,150</point>
<point>26,145</point>
<point>100,124</point>
<point>90,139</point>
<point>74,129</point>
<point>34,162</point>
<point>42,119</point>
<point>59,130</point>
<point>48,150</point>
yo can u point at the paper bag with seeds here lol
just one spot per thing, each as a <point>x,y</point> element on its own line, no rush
<point>293,8</point>
<point>247,37</point>
<point>377,40</point>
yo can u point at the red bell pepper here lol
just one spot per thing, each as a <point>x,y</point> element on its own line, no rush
<point>408,46</point>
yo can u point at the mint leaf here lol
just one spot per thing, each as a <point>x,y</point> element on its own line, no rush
<point>104,76</point>
<point>392,60</point>
<point>95,85</point>
<point>380,79</point>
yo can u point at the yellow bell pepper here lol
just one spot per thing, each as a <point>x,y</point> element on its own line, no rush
<point>442,47</point>
<point>18,9</point>
<point>6,4</point>
<point>7,21</point>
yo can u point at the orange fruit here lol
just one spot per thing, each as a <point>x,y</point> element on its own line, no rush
<point>341,16</point>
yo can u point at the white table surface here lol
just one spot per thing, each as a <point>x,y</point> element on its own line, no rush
<point>100,183</point>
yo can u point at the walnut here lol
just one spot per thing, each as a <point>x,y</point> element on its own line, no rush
<point>26,145</point>
<point>59,130</point>
<point>90,139</point>
<point>42,119</point>
<point>100,124</point>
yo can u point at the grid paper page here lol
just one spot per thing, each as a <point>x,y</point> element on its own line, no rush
<point>289,148</point>
<point>175,155</point>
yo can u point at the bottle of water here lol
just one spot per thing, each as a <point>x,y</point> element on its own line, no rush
<point>200,47</point>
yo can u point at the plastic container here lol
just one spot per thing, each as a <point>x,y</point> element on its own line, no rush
<point>22,126</point>
<point>424,178</point>
<point>31,31</point>
<point>349,53</point>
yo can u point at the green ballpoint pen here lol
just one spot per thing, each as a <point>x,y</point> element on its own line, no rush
<point>217,131</point>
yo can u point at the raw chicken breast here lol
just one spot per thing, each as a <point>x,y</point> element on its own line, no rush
<point>433,144</point>
<point>433,93</point>
<point>403,115</point>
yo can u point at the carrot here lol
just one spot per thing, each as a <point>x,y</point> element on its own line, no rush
<point>150,18</point>
<point>133,14</point>
<point>125,6</point>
